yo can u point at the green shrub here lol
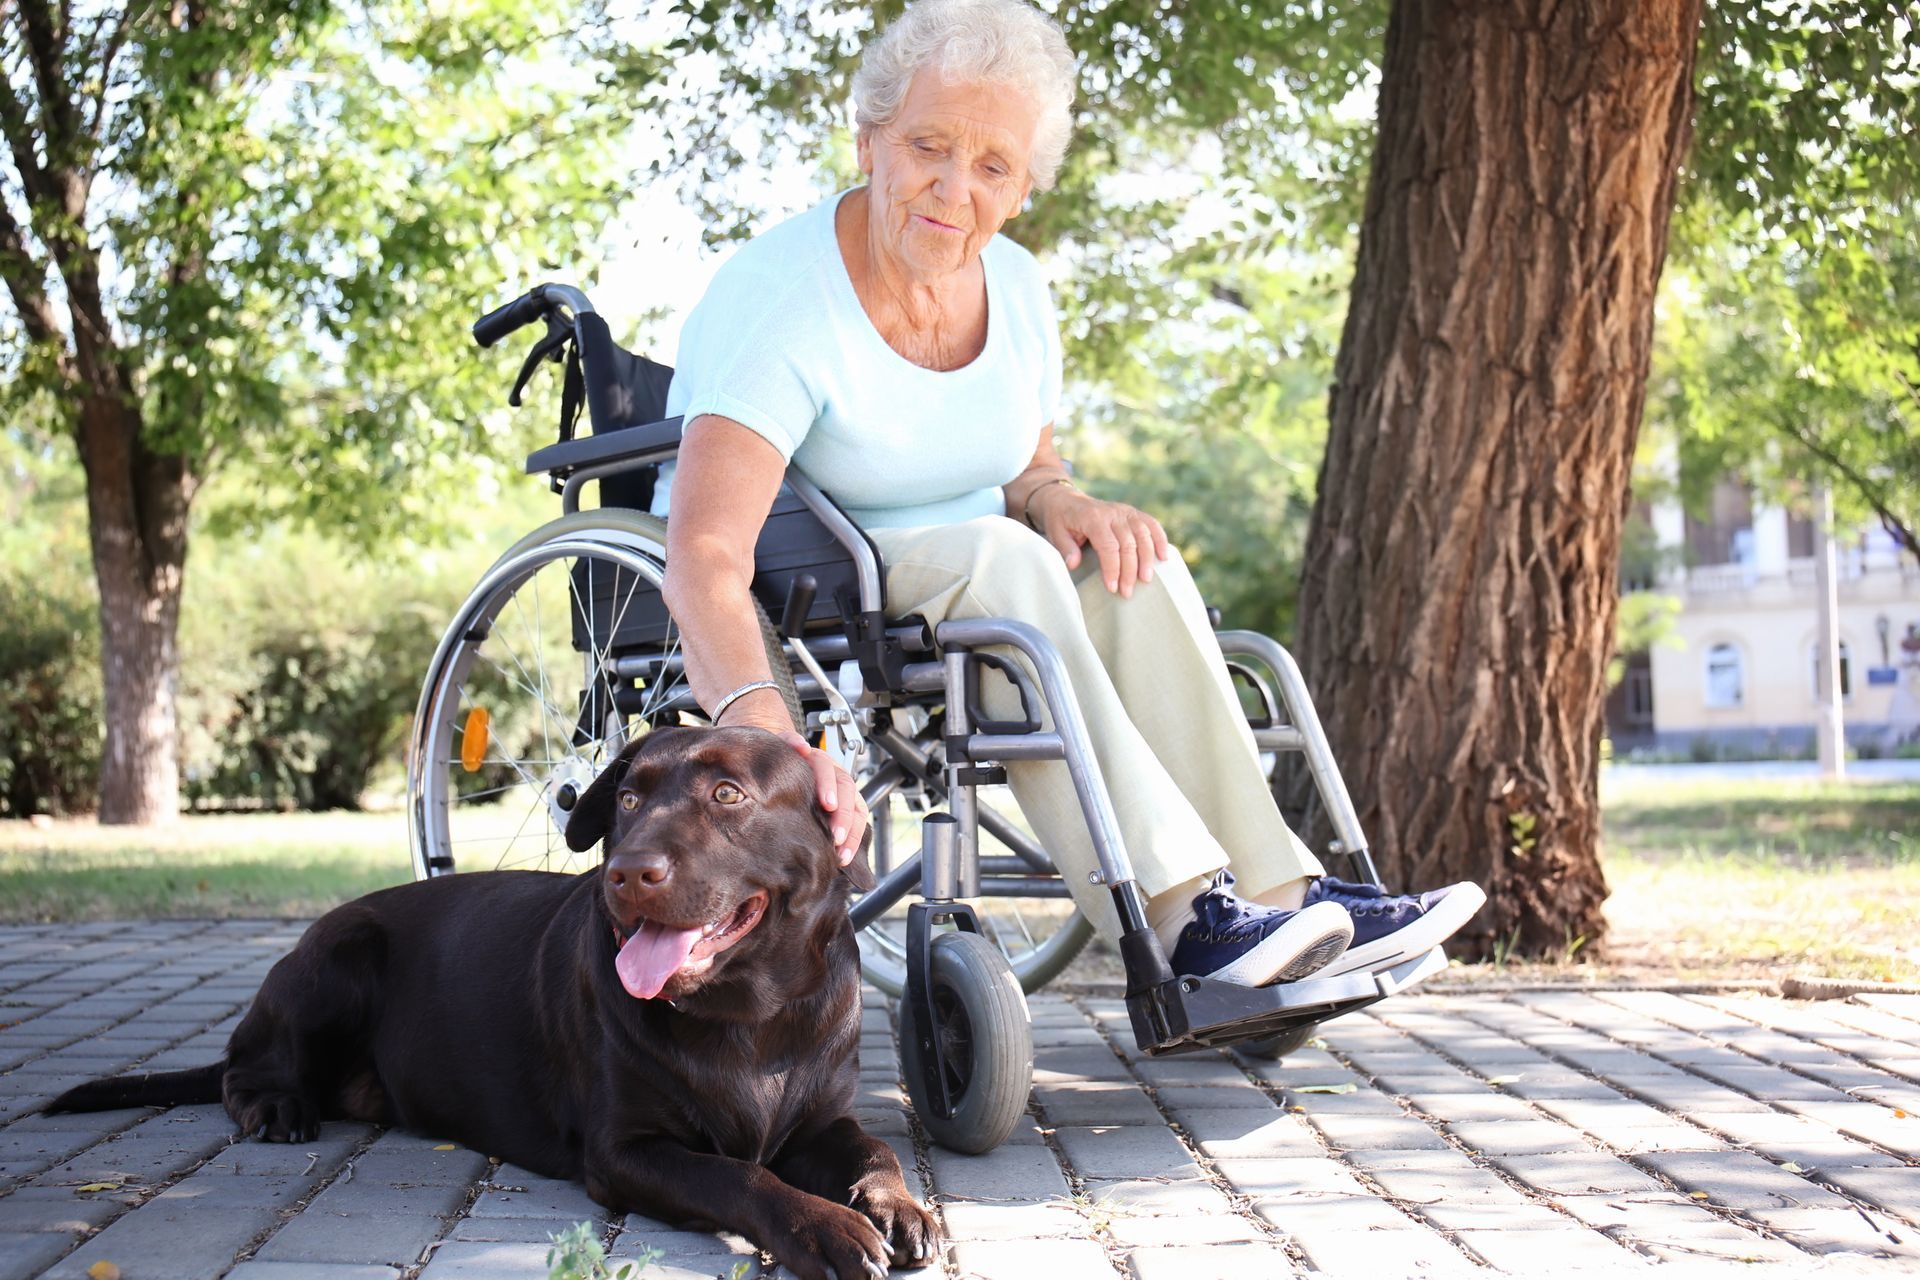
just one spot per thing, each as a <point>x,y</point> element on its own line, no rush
<point>299,664</point>
<point>50,696</point>
<point>325,706</point>
<point>299,670</point>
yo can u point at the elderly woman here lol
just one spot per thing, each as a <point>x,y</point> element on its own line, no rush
<point>906,358</point>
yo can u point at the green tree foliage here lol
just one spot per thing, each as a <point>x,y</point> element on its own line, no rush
<point>294,211</point>
<point>249,235</point>
<point>300,661</point>
<point>1793,348</point>
<point>301,665</point>
<point>1217,429</point>
<point>299,672</point>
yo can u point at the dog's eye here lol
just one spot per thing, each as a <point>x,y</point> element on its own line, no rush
<point>727,793</point>
<point>629,801</point>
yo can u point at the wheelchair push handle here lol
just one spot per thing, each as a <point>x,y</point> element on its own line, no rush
<point>525,309</point>
<point>502,321</point>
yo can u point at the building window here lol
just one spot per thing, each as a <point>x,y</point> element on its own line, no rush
<point>1717,537</point>
<point>1726,677</point>
<point>1846,672</point>
<point>1639,698</point>
<point>1800,539</point>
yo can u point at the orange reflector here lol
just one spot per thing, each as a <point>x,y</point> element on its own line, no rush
<point>473,740</point>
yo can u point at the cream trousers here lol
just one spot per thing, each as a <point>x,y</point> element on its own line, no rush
<point>1173,744</point>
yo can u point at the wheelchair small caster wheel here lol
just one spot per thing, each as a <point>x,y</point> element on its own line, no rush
<point>986,1038</point>
<point>1274,1048</point>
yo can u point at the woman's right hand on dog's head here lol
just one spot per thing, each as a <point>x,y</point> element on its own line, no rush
<point>838,796</point>
<point>764,709</point>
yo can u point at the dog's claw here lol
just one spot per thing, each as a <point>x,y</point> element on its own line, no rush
<point>909,1231</point>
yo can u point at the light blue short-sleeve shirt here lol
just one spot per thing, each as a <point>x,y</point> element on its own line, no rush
<point>781,345</point>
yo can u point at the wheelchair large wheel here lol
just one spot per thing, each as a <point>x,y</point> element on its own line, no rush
<point>556,659</point>
<point>986,1038</point>
<point>1038,938</point>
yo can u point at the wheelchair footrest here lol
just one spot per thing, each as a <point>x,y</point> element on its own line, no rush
<point>1189,1014</point>
<point>1411,973</point>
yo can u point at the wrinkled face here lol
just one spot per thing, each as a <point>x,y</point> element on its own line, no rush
<point>947,172</point>
<point>710,832</point>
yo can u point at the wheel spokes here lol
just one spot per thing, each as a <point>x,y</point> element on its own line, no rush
<point>519,643</point>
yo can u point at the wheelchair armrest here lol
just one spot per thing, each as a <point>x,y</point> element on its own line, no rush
<point>627,444</point>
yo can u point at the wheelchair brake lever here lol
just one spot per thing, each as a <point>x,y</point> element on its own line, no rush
<point>548,348</point>
<point>839,712</point>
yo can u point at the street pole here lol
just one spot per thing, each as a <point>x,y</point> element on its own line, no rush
<point>1829,724</point>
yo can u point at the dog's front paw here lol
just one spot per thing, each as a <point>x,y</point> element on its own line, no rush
<point>913,1237</point>
<point>274,1116</point>
<point>832,1242</point>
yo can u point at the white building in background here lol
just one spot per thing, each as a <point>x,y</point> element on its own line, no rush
<point>1740,673</point>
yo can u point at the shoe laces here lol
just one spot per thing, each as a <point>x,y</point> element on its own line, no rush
<point>1222,915</point>
<point>1358,899</point>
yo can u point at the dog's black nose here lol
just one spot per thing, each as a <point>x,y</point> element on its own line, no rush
<point>639,872</point>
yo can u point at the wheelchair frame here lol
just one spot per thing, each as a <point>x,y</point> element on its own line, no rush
<point>901,661</point>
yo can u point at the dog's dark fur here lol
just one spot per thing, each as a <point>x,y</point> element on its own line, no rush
<point>486,1008</point>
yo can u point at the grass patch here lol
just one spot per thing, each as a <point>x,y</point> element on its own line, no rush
<point>1761,879</point>
<point>244,866</point>
<point>1784,823</point>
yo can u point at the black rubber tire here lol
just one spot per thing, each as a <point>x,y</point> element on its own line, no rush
<point>989,1038</point>
<point>1036,969</point>
<point>1274,1048</point>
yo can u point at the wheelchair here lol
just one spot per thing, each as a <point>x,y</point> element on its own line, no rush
<point>564,650</point>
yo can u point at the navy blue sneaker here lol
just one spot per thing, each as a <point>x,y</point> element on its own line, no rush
<point>1391,928</point>
<point>1243,942</point>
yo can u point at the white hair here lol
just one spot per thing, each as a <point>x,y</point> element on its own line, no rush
<point>1004,42</point>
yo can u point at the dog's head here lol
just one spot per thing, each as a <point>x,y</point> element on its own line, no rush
<point>718,856</point>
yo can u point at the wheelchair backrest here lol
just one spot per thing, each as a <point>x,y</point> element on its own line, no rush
<point>622,390</point>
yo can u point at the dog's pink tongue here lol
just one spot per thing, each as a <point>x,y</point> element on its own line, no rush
<point>651,956</point>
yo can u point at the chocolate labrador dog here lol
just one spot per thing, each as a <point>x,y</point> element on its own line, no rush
<point>678,1028</point>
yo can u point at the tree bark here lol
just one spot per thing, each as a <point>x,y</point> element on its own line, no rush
<point>137,504</point>
<point>137,507</point>
<point>1457,610</point>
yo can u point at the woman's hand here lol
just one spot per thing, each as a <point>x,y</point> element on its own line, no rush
<point>838,796</point>
<point>764,709</point>
<point>1127,540</point>
<point>726,482</point>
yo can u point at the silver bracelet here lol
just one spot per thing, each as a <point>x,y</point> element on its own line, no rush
<point>741,692</point>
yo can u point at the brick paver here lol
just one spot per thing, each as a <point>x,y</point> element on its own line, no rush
<point>1520,1133</point>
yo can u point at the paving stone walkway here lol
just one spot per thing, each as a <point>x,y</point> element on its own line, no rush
<point>1521,1133</point>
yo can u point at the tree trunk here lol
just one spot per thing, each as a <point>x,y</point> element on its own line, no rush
<point>137,498</point>
<point>137,503</point>
<point>1457,610</point>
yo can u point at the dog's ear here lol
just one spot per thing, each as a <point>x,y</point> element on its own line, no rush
<point>859,872</point>
<point>592,816</point>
